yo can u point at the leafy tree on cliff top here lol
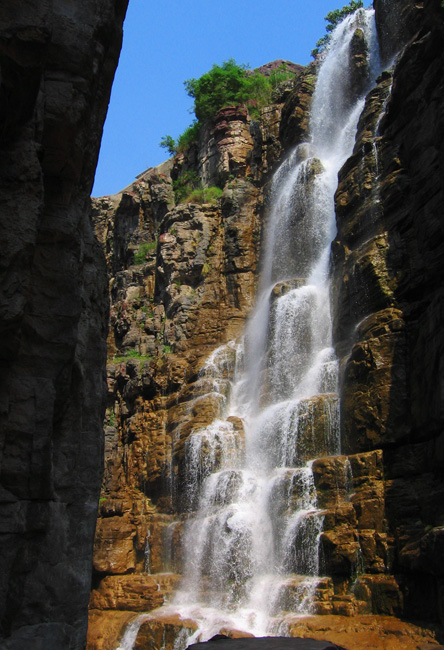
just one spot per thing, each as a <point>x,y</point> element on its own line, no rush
<point>224,85</point>
<point>334,18</point>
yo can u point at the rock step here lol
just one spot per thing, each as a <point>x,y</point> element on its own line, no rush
<point>168,582</point>
<point>281,288</point>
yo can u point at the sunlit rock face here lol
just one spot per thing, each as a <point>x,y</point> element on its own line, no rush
<point>183,282</point>
<point>57,63</point>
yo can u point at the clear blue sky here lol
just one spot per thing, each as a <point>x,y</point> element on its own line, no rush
<point>168,41</point>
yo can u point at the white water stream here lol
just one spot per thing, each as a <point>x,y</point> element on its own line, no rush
<point>251,548</point>
<point>252,542</point>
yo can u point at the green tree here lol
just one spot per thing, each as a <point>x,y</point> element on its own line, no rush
<point>222,85</point>
<point>229,83</point>
<point>169,144</point>
<point>190,135</point>
<point>333,19</point>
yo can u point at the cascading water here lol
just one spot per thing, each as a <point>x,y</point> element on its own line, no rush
<point>251,546</point>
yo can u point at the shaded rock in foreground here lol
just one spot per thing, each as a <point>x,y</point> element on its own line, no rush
<point>221,642</point>
<point>57,62</point>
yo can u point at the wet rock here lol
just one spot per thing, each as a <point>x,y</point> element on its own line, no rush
<point>295,112</point>
<point>163,632</point>
<point>359,65</point>
<point>387,300</point>
<point>316,427</point>
<point>106,627</point>
<point>397,24</point>
<point>359,631</point>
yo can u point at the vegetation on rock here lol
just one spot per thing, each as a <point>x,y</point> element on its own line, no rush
<point>188,189</point>
<point>204,195</point>
<point>225,85</point>
<point>141,254</point>
<point>334,18</point>
<point>185,184</point>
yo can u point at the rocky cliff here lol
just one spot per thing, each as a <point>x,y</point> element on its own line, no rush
<point>183,279</point>
<point>388,258</point>
<point>57,62</point>
<point>183,282</point>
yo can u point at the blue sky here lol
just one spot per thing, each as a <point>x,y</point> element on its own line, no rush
<point>168,41</point>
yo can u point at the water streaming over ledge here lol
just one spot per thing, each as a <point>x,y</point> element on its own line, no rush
<point>252,538</point>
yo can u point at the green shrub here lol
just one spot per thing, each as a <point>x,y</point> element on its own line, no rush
<point>231,83</point>
<point>225,85</point>
<point>189,136</point>
<point>111,417</point>
<point>169,144</point>
<point>132,354</point>
<point>167,349</point>
<point>334,18</point>
<point>143,250</point>
<point>185,184</point>
<point>204,195</point>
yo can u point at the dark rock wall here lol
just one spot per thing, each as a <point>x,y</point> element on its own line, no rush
<point>389,300</point>
<point>57,62</point>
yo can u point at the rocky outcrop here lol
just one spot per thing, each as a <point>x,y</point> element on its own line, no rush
<point>372,632</point>
<point>183,282</point>
<point>388,258</point>
<point>295,113</point>
<point>57,63</point>
<point>398,22</point>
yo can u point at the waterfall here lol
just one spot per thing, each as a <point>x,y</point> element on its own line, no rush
<point>252,536</point>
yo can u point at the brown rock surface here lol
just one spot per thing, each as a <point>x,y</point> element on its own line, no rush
<point>183,282</point>
<point>370,632</point>
<point>295,112</point>
<point>136,593</point>
<point>105,628</point>
<point>388,258</point>
<point>57,63</point>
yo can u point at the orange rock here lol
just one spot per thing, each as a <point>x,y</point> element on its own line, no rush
<point>137,593</point>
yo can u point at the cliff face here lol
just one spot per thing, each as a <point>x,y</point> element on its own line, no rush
<point>388,258</point>
<point>183,282</point>
<point>57,63</point>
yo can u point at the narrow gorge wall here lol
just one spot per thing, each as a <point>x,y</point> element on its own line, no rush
<point>57,63</point>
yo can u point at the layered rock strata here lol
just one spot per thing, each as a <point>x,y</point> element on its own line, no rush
<point>57,62</point>
<point>183,283</point>
<point>388,258</point>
